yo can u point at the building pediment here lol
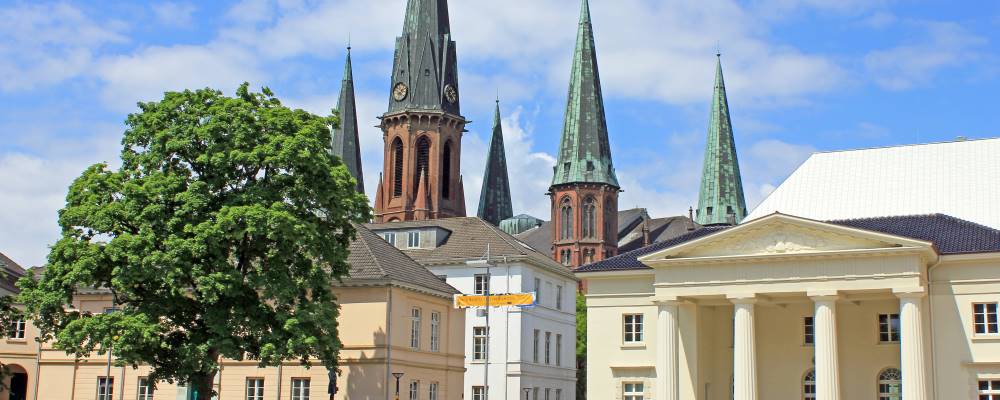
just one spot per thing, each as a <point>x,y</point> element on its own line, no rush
<point>780,234</point>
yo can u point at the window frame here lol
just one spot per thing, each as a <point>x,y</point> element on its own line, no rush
<point>538,291</point>
<point>481,395</point>
<point>107,383</point>
<point>986,324</point>
<point>414,389</point>
<point>389,237</point>
<point>892,331</point>
<point>559,297</point>
<point>258,385</point>
<point>809,385</point>
<point>548,348</point>
<point>415,318</point>
<point>432,391</point>
<point>559,349</point>
<point>809,330</point>
<point>144,388</point>
<point>637,391</point>
<point>303,391</point>
<point>17,330</point>
<point>480,284</point>
<point>435,331</point>
<point>413,239</point>
<point>991,391</point>
<point>480,343</point>
<point>536,338</point>
<point>883,382</point>
<point>638,334</point>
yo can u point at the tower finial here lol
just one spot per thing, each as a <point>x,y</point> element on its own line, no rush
<point>718,49</point>
<point>348,42</point>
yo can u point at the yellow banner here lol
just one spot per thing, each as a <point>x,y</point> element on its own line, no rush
<point>496,300</point>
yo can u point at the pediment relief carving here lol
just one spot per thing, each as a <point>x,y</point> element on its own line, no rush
<point>781,239</point>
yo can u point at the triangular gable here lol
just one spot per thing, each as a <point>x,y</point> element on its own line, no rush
<point>780,234</point>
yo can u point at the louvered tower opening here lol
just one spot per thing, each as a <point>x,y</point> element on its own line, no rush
<point>397,168</point>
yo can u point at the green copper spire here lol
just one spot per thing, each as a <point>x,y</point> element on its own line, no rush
<point>345,137</point>
<point>425,72</point>
<point>494,199</point>
<point>584,153</point>
<point>721,198</point>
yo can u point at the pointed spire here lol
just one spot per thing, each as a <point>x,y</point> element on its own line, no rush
<point>345,141</point>
<point>721,199</point>
<point>584,152</point>
<point>425,71</point>
<point>494,199</point>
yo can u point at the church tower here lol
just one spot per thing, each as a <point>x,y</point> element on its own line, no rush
<point>720,201</point>
<point>423,126</point>
<point>494,199</point>
<point>345,137</point>
<point>584,191</point>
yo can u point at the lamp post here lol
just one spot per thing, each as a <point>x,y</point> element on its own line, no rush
<point>397,375</point>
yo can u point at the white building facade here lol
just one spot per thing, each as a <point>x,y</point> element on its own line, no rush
<point>531,351</point>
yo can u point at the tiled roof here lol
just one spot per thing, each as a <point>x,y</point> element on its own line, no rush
<point>468,241</point>
<point>950,235</point>
<point>11,273</point>
<point>629,221</point>
<point>660,230</point>
<point>372,258</point>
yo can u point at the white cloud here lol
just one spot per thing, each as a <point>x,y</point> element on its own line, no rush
<point>174,14</point>
<point>944,45</point>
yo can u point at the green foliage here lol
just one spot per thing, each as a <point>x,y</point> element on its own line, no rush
<point>581,347</point>
<point>219,236</point>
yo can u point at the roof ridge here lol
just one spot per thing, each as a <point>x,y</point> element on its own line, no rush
<point>934,214</point>
<point>907,145</point>
<point>501,234</point>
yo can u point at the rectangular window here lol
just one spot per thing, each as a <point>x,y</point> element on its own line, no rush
<point>300,388</point>
<point>559,297</point>
<point>145,389</point>
<point>632,391</point>
<point>538,291</point>
<point>415,328</point>
<point>808,331</point>
<point>547,393</point>
<point>414,389</point>
<point>390,237</point>
<point>16,330</point>
<point>413,239</point>
<point>559,350</point>
<point>435,331</point>
<point>478,393</point>
<point>432,391</point>
<point>548,288</point>
<point>105,387</point>
<point>482,284</point>
<point>558,394</point>
<point>985,315</point>
<point>633,328</point>
<point>534,393</point>
<point>548,346</point>
<point>534,356</point>
<point>989,389</point>
<point>479,343</point>
<point>888,328</point>
<point>255,388</point>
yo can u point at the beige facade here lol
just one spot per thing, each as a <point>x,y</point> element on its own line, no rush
<point>376,343</point>
<point>725,316</point>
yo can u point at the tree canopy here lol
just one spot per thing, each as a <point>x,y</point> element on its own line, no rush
<point>219,236</point>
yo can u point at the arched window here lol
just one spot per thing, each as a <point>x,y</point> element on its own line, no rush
<point>589,218</point>
<point>809,385</point>
<point>446,171</point>
<point>566,219</point>
<point>890,384</point>
<point>610,220</point>
<point>397,167</point>
<point>423,157</point>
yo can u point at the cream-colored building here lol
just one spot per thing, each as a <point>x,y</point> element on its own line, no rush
<point>396,316</point>
<point>784,307</point>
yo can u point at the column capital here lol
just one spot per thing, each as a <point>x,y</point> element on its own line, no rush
<point>667,300</point>
<point>823,295</point>
<point>910,293</point>
<point>742,298</point>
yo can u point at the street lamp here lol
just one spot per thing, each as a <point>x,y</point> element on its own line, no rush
<point>397,375</point>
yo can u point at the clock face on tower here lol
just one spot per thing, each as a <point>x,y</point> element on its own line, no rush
<point>399,91</point>
<point>450,93</point>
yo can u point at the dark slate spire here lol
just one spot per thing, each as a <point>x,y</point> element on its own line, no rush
<point>345,137</point>
<point>425,72</point>
<point>584,154</point>
<point>494,199</point>
<point>721,198</point>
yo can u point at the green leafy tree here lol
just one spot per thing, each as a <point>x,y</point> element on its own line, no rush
<point>581,347</point>
<point>218,236</point>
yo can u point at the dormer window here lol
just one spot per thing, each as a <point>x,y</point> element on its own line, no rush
<point>390,237</point>
<point>413,239</point>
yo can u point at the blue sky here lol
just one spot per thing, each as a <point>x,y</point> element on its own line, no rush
<point>802,76</point>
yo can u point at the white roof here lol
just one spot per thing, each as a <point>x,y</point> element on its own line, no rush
<point>960,179</point>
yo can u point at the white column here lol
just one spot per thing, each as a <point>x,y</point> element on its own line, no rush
<point>744,352</point>
<point>666,351</point>
<point>911,347</point>
<point>825,347</point>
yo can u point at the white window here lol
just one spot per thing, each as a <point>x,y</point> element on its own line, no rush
<point>479,343</point>
<point>255,388</point>
<point>432,391</point>
<point>989,389</point>
<point>482,284</point>
<point>105,387</point>
<point>390,237</point>
<point>534,356</point>
<point>632,391</point>
<point>548,288</point>
<point>538,291</point>
<point>809,385</point>
<point>415,328</point>
<point>633,328</point>
<point>548,346</point>
<point>558,394</point>
<point>145,389</point>
<point>888,328</point>
<point>559,297</point>
<point>413,239</point>
<point>435,331</point>
<point>547,393</point>
<point>890,384</point>
<point>16,330</point>
<point>414,389</point>
<point>300,388</point>
<point>478,393</point>
<point>559,350</point>
<point>985,315</point>
<point>808,330</point>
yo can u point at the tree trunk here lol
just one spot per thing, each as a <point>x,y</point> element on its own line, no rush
<point>204,383</point>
